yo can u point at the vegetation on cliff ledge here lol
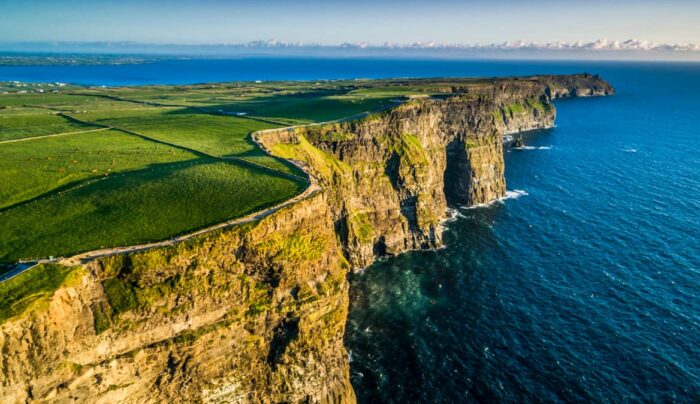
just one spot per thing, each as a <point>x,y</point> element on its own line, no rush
<point>30,288</point>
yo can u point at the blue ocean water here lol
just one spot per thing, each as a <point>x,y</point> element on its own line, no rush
<point>584,286</point>
<point>249,69</point>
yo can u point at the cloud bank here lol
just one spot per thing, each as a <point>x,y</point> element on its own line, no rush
<point>602,49</point>
<point>599,45</point>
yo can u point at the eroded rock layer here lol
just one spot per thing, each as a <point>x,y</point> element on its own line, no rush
<point>256,313</point>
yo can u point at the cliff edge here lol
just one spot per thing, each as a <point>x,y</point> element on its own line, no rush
<point>256,312</point>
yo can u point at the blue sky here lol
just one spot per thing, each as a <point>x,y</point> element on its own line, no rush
<point>333,22</point>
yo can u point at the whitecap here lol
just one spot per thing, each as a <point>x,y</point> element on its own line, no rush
<point>452,215</point>
<point>629,150</point>
<point>514,194</point>
<point>532,148</point>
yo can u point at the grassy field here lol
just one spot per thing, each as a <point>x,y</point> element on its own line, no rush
<point>18,126</point>
<point>305,109</point>
<point>36,167</point>
<point>211,134</point>
<point>83,168</point>
<point>148,205</point>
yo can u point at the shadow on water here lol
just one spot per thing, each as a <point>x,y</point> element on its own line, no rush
<point>398,307</point>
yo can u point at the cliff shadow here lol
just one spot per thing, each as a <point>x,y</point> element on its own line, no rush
<point>456,177</point>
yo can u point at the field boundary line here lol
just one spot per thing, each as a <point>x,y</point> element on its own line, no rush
<point>25,139</point>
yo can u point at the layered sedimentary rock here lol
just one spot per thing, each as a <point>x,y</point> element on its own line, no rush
<point>256,313</point>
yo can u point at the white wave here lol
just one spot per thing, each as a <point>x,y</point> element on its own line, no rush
<point>452,215</point>
<point>514,194</point>
<point>533,148</point>
<point>629,150</point>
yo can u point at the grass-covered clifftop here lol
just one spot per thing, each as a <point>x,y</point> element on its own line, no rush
<point>254,313</point>
<point>85,168</point>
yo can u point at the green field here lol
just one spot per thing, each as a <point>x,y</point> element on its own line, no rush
<point>149,205</point>
<point>83,168</point>
<point>36,167</point>
<point>18,126</point>
<point>210,134</point>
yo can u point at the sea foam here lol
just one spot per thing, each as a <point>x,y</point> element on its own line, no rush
<point>514,194</point>
<point>532,148</point>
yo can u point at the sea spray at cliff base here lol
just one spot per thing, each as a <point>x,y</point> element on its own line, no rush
<point>514,194</point>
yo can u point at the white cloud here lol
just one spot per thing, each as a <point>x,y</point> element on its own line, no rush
<point>598,45</point>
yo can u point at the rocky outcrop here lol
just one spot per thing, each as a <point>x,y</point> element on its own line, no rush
<point>256,313</point>
<point>576,85</point>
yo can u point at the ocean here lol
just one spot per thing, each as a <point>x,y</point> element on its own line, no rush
<point>582,285</point>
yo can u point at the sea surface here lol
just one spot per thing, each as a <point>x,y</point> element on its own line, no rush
<point>582,285</point>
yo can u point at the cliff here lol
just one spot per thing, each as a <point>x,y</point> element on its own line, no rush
<point>390,176</point>
<point>256,313</point>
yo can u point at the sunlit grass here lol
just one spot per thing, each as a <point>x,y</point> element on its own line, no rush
<point>133,208</point>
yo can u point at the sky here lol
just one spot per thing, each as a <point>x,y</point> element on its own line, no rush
<point>334,22</point>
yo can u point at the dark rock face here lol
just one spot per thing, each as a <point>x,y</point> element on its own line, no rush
<point>518,142</point>
<point>257,313</point>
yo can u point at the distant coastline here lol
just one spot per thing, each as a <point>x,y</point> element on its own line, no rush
<point>187,71</point>
<point>70,59</point>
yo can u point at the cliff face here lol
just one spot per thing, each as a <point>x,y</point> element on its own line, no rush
<point>256,313</point>
<point>253,314</point>
<point>390,176</point>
